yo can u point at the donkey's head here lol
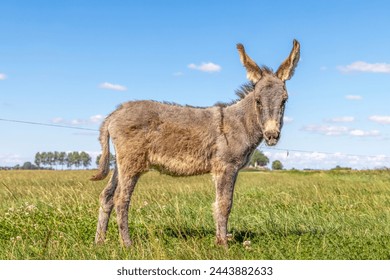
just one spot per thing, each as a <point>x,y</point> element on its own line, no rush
<point>270,94</point>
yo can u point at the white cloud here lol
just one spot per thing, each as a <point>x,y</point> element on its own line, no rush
<point>287,119</point>
<point>110,86</point>
<point>380,119</point>
<point>362,133</point>
<point>3,76</point>
<point>57,120</point>
<point>303,160</point>
<point>318,160</point>
<point>96,118</point>
<point>333,130</point>
<point>342,119</point>
<point>206,67</point>
<point>353,97</point>
<point>329,130</point>
<point>11,159</point>
<point>361,66</point>
<point>78,122</point>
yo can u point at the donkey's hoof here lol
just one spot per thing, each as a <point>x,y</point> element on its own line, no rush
<point>221,242</point>
<point>127,243</point>
<point>100,240</point>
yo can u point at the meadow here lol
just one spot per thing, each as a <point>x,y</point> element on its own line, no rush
<point>276,215</point>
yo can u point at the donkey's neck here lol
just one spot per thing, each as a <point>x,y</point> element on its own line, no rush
<point>243,114</point>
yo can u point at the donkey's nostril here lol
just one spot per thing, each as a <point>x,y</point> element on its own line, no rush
<point>271,137</point>
<point>273,134</point>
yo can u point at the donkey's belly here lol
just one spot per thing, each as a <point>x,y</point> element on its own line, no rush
<point>179,166</point>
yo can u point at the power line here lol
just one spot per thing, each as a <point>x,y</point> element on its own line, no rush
<point>48,124</point>
<point>260,147</point>
<point>326,153</point>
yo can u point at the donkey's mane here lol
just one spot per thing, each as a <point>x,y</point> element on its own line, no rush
<point>244,89</point>
<point>180,105</point>
<point>241,92</point>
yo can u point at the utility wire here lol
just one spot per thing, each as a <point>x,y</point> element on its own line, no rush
<point>260,147</point>
<point>326,153</point>
<point>48,124</point>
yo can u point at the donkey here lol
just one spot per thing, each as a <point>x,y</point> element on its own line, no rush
<point>185,141</point>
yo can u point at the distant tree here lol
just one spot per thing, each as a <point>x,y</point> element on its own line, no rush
<point>277,165</point>
<point>85,159</point>
<point>56,158</point>
<point>50,159</point>
<point>77,159</point>
<point>44,160</point>
<point>74,159</point>
<point>70,160</point>
<point>38,159</point>
<point>28,166</point>
<point>338,167</point>
<point>258,159</point>
<point>62,159</point>
<point>67,160</point>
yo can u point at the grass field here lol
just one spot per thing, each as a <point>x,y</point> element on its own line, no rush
<point>279,215</point>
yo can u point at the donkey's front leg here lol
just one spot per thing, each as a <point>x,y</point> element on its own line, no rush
<point>224,184</point>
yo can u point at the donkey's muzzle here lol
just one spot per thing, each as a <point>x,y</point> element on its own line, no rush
<point>271,132</point>
<point>271,137</point>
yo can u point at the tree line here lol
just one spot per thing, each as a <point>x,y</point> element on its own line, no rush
<point>55,159</point>
<point>83,159</point>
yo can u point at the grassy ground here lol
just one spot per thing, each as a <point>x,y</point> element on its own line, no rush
<point>279,215</point>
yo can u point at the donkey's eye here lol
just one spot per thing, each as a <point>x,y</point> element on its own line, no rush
<point>258,102</point>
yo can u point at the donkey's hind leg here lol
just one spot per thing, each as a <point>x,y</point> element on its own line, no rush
<point>106,204</point>
<point>122,203</point>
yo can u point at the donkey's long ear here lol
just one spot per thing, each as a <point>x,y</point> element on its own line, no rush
<point>286,69</point>
<point>253,72</point>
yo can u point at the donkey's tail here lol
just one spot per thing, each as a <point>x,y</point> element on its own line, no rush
<point>104,162</point>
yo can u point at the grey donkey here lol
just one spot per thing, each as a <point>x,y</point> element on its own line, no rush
<point>185,141</point>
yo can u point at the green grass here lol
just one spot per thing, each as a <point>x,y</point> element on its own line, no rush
<point>284,215</point>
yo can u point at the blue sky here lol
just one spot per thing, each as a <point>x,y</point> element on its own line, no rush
<point>72,62</point>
